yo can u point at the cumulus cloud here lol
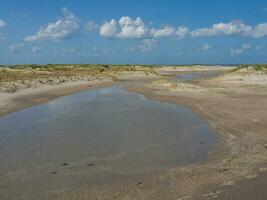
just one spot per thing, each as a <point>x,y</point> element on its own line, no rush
<point>132,28</point>
<point>90,26</point>
<point>2,23</point>
<point>167,31</point>
<point>65,27</point>
<point>240,50</point>
<point>258,31</point>
<point>127,27</point>
<point>207,47</point>
<point>135,28</point>
<point>232,28</point>
<point>109,29</point>
<point>182,32</point>
<point>148,45</point>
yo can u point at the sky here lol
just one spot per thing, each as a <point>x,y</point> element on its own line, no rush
<point>133,31</point>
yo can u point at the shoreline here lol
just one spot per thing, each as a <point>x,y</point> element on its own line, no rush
<point>12,102</point>
<point>239,158</point>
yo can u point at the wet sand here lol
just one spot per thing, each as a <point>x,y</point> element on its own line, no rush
<point>238,113</point>
<point>235,170</point>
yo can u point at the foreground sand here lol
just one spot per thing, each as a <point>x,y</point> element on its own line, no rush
<point>235,107</point>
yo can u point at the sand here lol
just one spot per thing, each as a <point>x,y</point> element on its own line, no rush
<point>237,111</point>
<point>234,106</point>
<point>16,95</point>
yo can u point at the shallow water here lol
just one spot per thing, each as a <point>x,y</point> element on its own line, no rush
<point>110,130</point>
<point>196,75</point>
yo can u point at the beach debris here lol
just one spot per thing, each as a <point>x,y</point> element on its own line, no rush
<point>252,176</point>
<point>212,194</point>
<point>184,198</point>
<point>65,164</point>
<point>140,183</point>
<point>228,183</point>
<point>223,170</point>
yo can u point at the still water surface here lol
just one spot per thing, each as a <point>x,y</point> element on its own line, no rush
<point>103,124</point>
<point>110,130</point>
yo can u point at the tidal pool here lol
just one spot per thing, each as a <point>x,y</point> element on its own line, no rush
<point>196,75</point>
<point>95,134</point>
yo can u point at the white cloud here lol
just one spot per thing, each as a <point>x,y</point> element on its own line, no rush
<point>90,26</point>
<point>16,48</point>
<point>232,28</point>
<point>148,45</point>
<point>207,47</point>
<point>132,28</point>
<point>109,29</point>
<point>167,31</point>
<point>136,28</point>
<point>65,27</point>
<point>2,23</point>
<point>236,27</point>
<point>127,27</point>
<point>258,31</point>
<point>240,50</point>
<point>182,32</point>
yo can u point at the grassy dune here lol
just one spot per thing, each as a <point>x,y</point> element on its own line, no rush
<point>251,68</point>
<point>26,76</point>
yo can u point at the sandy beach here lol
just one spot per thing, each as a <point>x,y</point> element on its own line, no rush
<point>234,105</point>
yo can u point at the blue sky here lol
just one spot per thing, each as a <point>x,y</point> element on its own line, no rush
<point>133,31</point>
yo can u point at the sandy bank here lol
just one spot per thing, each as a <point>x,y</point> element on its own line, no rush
<point>22,88</point>
<point>238,112</point>
<point>235,106</point>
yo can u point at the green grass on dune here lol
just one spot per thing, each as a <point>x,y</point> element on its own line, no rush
<point>31,72</point>
<point>257,68</point>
